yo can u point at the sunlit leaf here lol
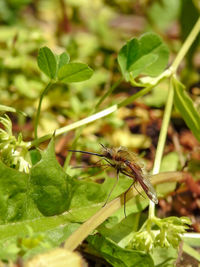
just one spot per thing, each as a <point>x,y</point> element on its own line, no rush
<point>50,184</point>
<point>74,72</point>
<point>47,62</point>
<point>146,55</point>
<point>63,59</point>
<point>117,256</point>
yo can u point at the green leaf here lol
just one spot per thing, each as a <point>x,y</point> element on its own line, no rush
<point>4,108</point>
<point>13,194</point>
<point>50,185</point>
<point>186,108</point>
<point>164,257</point>
<point>147,55</point>
<point>54,231</point>
<point>192,239</point>
<point>191,251</point>
<point>127,55</point>
<point>117,256</point>
<point>35,156</point>
<point>63,59</point>
<point>74,72</point>
<point>47,62</point>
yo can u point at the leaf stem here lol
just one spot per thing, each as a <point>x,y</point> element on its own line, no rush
<point>186,46</point>
<point>108,93</point>
<point>162,139</point>
<point>167,113</point>
<point>74,125</point>
<point>79,131</point>
<point>39,108</point>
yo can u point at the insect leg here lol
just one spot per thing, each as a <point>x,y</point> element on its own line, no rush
<point>133,183</point>
<point>112,188</point>
<point>125,197</point>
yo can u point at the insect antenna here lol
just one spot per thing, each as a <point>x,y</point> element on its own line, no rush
<point>102,145</point>
<point>85,152</point>
<point>112,189</point>
<point>96,164</point>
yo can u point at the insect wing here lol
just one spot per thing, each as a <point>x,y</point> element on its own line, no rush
<point>130,156</point>
<point>144,182</point>
<point>148,188</point>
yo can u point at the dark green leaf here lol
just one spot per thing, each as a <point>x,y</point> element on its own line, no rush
<point>63,59</point>
<point>13,194</point>
<point>186,108</point>
<point>47,62</point>
<point>50,184</point>
<point>117,256</point>
<point>164,257</point>
<point>148,55</point>
<point>127,55</point>
<point>74,72</point>
<point>35,156</point>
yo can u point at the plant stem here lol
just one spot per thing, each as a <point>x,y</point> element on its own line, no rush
<point>74,125</point>
<point>167,113</point>
<point>39,108</point>
<point>162,139</point>
<point>79,131</point>
<point>186,46</point>
<point>108,93</point>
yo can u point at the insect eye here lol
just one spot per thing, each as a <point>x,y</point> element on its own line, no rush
<point>108,155</point>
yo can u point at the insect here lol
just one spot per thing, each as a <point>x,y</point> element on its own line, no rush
<point>125,162</point>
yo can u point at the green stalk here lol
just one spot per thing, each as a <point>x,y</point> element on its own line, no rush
<point>129,100</point>
<point>167,113</point>
<point>79,131</point>
<point>108,93</point>
<point>186,46</point>
<point>74,125</point>
<point>161,140</point>
<point>39,108</point>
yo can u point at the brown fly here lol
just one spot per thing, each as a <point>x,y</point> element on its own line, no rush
<point>127,163</point>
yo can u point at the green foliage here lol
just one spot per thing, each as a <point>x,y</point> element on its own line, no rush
<point>55,66</point>
<point>13,151</point>
<point>47,62</point>
<point>146,55</point>
<point>186,107</point>
<point>13,197</point>
<point>47,186</point>
<point>118,256</point>
<point>74,72</point>
<point>167,234</point>
<point>50,188</point>
<point>41,204</point>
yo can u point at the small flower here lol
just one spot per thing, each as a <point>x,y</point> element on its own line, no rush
<point>13,151</point>
<point>167,233</point>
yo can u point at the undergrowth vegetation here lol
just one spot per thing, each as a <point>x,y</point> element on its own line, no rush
<point>77,74</point>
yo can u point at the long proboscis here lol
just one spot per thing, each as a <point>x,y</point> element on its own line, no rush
<point>85,152</point>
